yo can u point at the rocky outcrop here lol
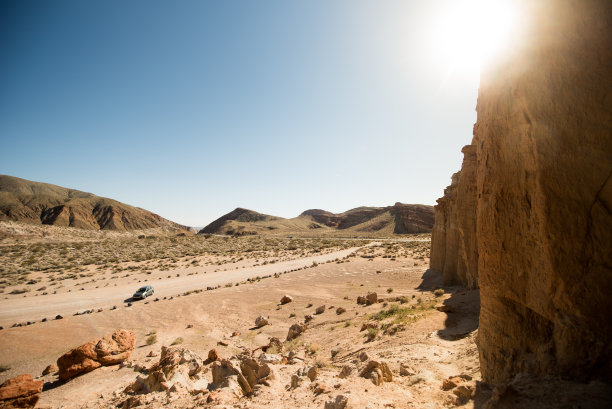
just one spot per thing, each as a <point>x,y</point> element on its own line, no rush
<point>543,197</point>
<point>20,392</point>
<point>177,369</point>
<point>110,350</point>
<point>453,240</point>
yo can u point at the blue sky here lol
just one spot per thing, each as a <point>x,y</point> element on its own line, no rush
<point>192,108</point>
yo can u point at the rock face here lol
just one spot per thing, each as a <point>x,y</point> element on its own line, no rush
<point>543,198</point>
<point>20,392</point>
<point>110,350</point>
<point>453,240</point>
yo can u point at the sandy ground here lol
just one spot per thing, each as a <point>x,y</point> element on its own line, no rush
<point>436,346</point>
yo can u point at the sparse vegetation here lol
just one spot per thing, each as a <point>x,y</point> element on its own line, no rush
<point>177,341</point>
<point>151,339</point>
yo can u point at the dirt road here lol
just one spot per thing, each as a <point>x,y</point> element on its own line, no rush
<point>35,308</point>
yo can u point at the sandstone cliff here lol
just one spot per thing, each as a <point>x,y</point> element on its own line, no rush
<point>543,194</point>
<point>453,238</point>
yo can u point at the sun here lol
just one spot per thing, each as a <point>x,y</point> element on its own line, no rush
<point>469,33</point>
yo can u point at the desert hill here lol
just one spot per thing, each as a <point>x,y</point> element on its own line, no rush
<point>42,203</point>
<point>397,219</point>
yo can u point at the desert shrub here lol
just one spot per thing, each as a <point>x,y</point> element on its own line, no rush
<point>372,333</point>
<point>151,339</point>
<point>439,292</point>
<point>177,341</point>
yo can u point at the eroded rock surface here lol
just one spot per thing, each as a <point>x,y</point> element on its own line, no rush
<point>20,392</point>
<point>543,198</point>
<point>110,350</point>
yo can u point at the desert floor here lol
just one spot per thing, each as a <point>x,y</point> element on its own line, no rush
<point>431,345</point>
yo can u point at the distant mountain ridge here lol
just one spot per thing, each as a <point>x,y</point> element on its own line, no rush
<point>42,203</point>
<point>397,219</point>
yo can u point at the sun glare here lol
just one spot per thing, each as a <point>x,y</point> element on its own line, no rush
<point>473,32</point>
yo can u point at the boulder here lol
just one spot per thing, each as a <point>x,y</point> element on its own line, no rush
<point>361,300</point>
<point>295,331</point>
<point>261,321</point>
<point>371,298</point>
<point>20,392</point>
<point>286,299</point>
<point>110,350</point>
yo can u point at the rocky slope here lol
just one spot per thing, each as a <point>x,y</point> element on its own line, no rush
<point>397,219</point>
<point>542,191</point>
<point>42,203</point>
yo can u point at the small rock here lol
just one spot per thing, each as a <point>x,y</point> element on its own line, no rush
<point>297,380</point>
<point>361,300</point>
<point>235,333</point>
<point>261,321</point>
<point>320,310</point>
<point>58,317</point>
<point>335,352</point>
<point>340,310</point>
<point>295,331</point>
<point>341,402</point>
<point>406,370</point>
<point>222,343</point>
<point>286,299</point>
<point>312,373</point>
<point>363,356</point>
<point>463,392</point>
<point>213,355</point>
<point>346,371</point>
<point>371,298</point>
<point>270,359</point>
<point>151,354</point>
<point>308,318</point>
<point>50,369</point>
<point>451,383</point>
<point>377,372</point>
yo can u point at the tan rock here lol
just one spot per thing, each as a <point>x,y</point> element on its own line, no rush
<point>213,355</point>
<point>295,331</point>
<point>110,350</point>
<point>340,402</point>
<point>50,369</point>
<point>20,392</point>
<point>371,298</point>
<point>377,372</point>
<point>261,321</point>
